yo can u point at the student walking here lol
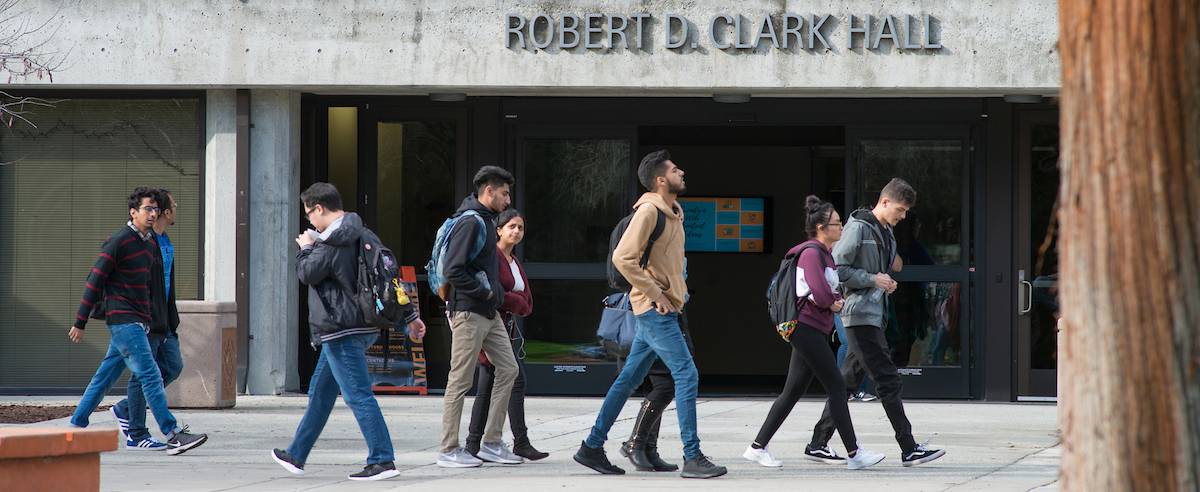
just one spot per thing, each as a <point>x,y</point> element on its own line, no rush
<point>472,305</point>
<point>816,291</point>
<point>327,263</point>
<point>864,256</point>
<point>518,303</point>
<point>119,287</point>
<point>657,296</point>
<point>163,336</point>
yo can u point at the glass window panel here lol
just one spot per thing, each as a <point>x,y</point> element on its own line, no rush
<point>579,189</point>
<point>415,185</point>
<point>925,325</point>
<point>932,233</point>
<point>343,154</point>
<point>1044,181</point>
<point>562,328</point>
<point>63,190</point>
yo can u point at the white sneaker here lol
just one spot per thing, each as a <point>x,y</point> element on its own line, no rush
<point>459,458</point>
<point>863,459</point>
<point>762,457</point>
<point>497,452</point>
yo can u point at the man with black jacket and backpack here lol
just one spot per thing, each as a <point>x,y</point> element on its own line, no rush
<point>328,264</point>
<point>658,293</point>
<point>472,304</point>
<point>864,258</point>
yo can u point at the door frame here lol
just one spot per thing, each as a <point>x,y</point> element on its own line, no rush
<point>931,381</point>
<point>1031,384</point>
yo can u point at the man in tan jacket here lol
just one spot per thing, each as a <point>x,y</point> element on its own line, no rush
<point>658,294</point>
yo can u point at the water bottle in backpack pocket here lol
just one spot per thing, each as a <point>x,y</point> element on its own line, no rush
<point>436,266</point>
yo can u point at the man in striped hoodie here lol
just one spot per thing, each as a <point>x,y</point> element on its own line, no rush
<point>119,288</point>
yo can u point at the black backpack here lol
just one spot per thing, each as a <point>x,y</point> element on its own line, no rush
<point>782,302</point>
<point>615,279</point>
<point>377,281</point>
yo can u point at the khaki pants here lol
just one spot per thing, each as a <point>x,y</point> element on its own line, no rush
<point>470,333</point>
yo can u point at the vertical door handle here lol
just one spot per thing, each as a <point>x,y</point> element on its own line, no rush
<point>1024,307</point>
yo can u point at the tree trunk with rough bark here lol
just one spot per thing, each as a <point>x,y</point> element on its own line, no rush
<point>1130,244</point>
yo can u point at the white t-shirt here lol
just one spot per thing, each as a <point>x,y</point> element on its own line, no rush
<point>518,281</point>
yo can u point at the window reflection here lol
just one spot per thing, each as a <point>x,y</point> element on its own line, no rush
<point>578,189</point>
<point>562,328</point>
<point>924,321</point>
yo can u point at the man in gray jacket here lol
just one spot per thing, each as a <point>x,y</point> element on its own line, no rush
<point>864,258</point>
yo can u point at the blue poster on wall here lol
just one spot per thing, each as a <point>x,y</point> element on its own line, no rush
<point>724,225</point>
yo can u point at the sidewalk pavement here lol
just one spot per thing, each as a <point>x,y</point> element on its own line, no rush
<point>989,446</point>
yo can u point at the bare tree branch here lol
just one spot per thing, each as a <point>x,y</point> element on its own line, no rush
<point>22,54</point>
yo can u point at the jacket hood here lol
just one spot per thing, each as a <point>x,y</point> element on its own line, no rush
<point>348,232</point>
<point>659,203</point>
<point>471,202</point>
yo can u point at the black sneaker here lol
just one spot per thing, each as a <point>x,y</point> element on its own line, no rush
<point>864,396</point>
<point>182,441</point>
<point>701,467</point>
<point>376,471</point>
<point>823,455</point>
<point>920,455</point>
<point>596,460</point>
<point>287,461</point>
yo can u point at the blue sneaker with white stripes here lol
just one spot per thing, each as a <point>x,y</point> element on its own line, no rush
<point>122,420</point>
<point>147,444</point>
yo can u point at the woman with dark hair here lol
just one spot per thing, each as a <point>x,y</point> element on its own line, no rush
<point>816,292</point>
<point>518,302</point>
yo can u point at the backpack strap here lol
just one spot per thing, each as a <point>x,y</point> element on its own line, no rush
<point>810,246</point>
<point>659,226</point>
<point>482,240</point>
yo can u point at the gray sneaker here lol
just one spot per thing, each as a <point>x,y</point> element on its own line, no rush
<point>459,458</point>
<point>497,452</point>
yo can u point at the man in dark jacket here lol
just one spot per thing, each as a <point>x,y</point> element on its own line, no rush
<point>475,296</point>
<point>328,264</point>
<point>163,338</point>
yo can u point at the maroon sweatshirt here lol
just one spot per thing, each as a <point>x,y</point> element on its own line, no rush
<point>815,311</point>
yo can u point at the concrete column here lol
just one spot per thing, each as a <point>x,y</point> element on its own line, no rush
<point>220,195</point>
<point>274,224</point>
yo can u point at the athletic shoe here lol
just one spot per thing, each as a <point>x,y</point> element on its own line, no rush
<point>596,459</point>
<point>182,441</point>
<point>122,420</point>
<point>497,452</point>
<point>921,455</point>
<point>852,397</point>
<point>762,457</point>
<point>147,444</point>
<point>863,459</point>
<point>287,461</point>
<point>864,396</point>
<point>458,459</point>
<point>823,455</point>
<point>701,467</point>
<point>375,471</point>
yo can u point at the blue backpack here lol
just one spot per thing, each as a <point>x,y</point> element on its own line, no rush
<point>435,268</point>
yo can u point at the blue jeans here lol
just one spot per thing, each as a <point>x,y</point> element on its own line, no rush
<point>658,336</point>
<point>343,366</point>
<point>128,346</point>
<point>844,347</point>
<point>170,363</point>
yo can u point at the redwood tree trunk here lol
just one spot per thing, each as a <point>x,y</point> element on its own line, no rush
<point>1130,244</point>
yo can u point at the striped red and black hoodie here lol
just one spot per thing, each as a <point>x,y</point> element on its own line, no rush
<point>121,278</point>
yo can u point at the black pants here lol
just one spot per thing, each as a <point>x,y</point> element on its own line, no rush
<point>869,351</point>
<point>516,404</point>
<point>811,357</point>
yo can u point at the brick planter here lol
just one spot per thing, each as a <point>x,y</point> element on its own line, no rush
<point>52,458</point>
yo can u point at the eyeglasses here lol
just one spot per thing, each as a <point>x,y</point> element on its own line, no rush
<point>308,213</point>
<point>833,224</point>
<point>151,210</point>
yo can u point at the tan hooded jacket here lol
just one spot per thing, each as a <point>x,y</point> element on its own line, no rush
<point>664,271</point>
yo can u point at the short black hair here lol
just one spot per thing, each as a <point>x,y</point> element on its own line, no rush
<point>900,191</point>
<point>493,176</point>
<point>653,166</point>
<point>323,194</point>
<point>164,199</point>
<point>135,198</point>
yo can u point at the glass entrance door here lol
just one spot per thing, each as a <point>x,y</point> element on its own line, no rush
<point>573,185</point>
<point>929,316</point>
<point>1037,255</point>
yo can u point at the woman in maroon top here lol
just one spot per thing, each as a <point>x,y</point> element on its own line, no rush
<point>816,288</point>
<point>518,303</point>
